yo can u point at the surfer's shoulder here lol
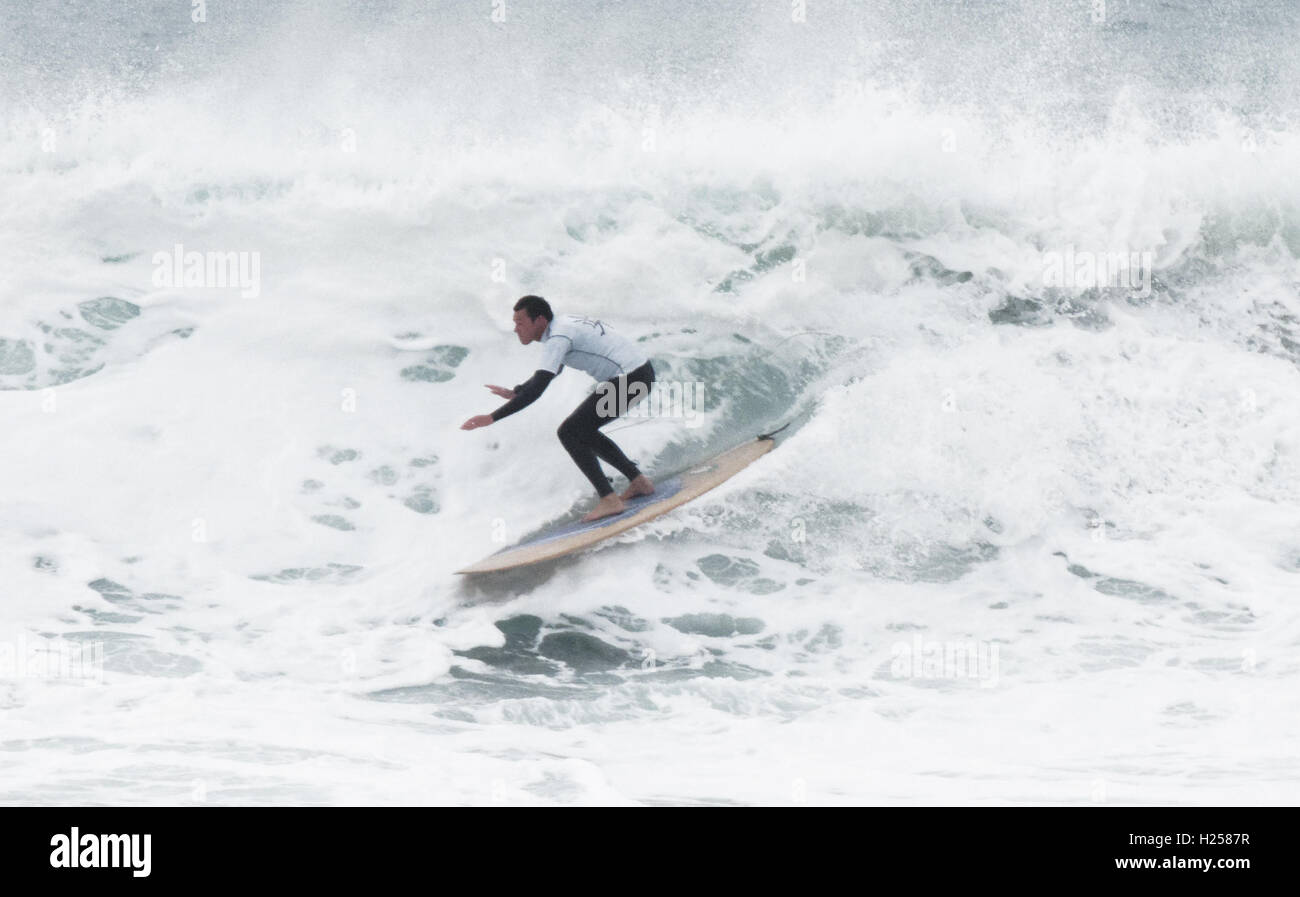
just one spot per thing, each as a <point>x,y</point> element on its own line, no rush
<point>563,325</point>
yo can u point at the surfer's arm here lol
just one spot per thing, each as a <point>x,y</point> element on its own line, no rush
<point>525,394</point>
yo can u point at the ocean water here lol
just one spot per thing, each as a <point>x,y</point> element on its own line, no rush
<point>1026,540</point>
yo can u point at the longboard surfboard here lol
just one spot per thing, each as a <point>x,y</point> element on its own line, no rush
<point>669,493</point>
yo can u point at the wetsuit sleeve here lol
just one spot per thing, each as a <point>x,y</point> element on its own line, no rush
<point>525,394</point>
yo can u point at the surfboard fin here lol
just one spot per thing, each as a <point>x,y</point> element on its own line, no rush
<point>773,433</point>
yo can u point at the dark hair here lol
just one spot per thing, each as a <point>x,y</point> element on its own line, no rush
<point>535,306</point>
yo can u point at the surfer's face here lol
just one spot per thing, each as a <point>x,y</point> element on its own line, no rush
<point>528,329</point>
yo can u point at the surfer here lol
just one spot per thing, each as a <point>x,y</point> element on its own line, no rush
<point>616,364</point>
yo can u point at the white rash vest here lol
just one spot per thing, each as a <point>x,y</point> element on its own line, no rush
<point>588,345</point>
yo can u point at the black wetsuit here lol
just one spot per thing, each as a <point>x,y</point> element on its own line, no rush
<point>580,433</point>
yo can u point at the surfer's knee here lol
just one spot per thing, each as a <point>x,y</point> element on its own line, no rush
<point>567,431</point>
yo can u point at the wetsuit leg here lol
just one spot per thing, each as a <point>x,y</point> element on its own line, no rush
<point>580,433</point>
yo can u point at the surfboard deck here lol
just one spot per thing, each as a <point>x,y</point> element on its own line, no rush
<point>671,492</point>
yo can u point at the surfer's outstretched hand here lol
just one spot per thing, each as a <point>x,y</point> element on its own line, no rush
<point>501,391</point>
<point>478,420</point>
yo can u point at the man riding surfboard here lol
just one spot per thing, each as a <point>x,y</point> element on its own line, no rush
<point>612,360</point>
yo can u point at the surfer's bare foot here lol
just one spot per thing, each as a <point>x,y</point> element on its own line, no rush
<point>607,507</point>
<point>640,486</point>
